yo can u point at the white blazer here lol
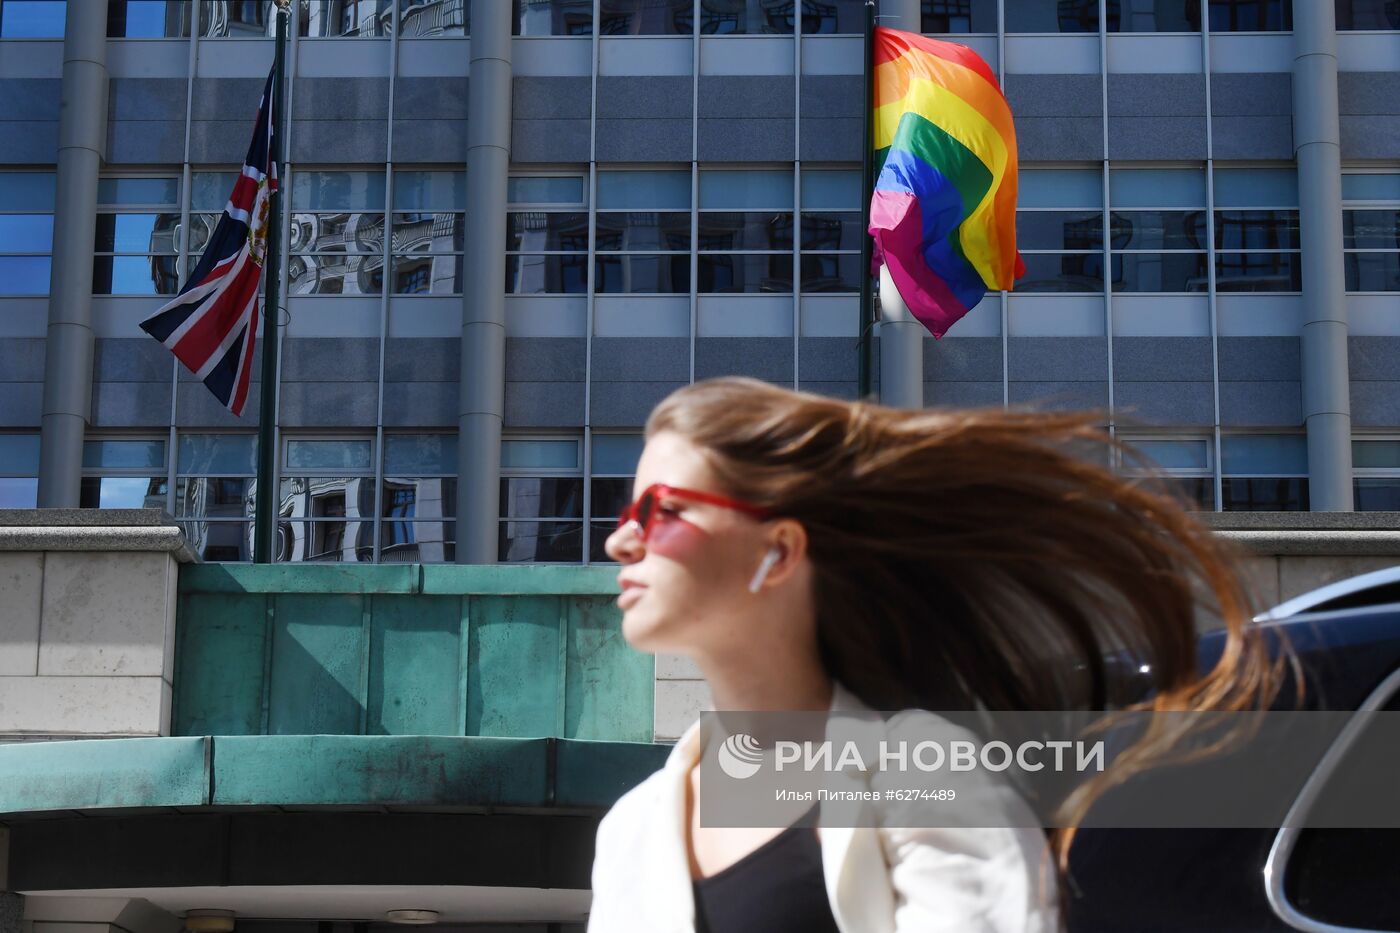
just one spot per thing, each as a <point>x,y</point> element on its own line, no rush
<point>879,878</point>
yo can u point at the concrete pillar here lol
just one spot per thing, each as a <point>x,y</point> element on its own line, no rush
<point>1316,143</point>
<point>901,334</point>
<point>901,349</point>
<point>82,140</point>
<point>482,408</point>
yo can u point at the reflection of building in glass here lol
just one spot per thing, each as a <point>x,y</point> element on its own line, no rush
<point>422,18</point>
<point>417,525</point>
<point>327,519</point>
<point>219,18</point>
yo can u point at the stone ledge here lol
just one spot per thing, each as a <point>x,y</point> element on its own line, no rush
<point>159,538</point>
<point>1301,521</point>
<point>84,518</point>
<point>1316,543</point>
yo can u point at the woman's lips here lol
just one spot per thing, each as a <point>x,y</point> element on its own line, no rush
<point>630,594</point>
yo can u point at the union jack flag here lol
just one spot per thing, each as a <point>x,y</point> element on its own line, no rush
<point>211,325</point>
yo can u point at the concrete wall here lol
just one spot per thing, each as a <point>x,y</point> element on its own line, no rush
<point>87,623</point>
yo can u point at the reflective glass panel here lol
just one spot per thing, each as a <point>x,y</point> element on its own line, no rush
<point>332,191</point>
<point>831,231</point>
<point>365,18</point>
<point>1157,187</point>
<point>328,455</point>
<point>1160,272</point>
<point>668,190</point>
<point>1264,454</point>
<point>612,453</point>
<point>32,19</point>
<point>597,546</point>
<point>540,454</point>
<point>646,17</point>
<point>1256,230</point>
<point>1372,272</point>
<point>1368,14</point>
<point>1258,272</point>
<point>431,497</point>
<point>1371,186</point>
<point>19,453</point>
<point>122,492</point>
<point>831,190</point>
<point>1059,230</point>
<point>24,275</point>
<point>745,272</point>
<point>138,192</point>
<point>220,541</point>
<point>18,492</point>
<point>958,16</point>
<point>420,453</point>
<point>26,191</point>
<point>1369,494</point>
<point>746,17</point>
<point>1251,15</point>
<point>344,541</point>
<point>1264,494</point>
<point>1061,16</point>
<point>215,496</point>
<point>217,453</point>
<point>428,233</point>
<point>430,191</point>
<point>134,275</point>
<point>148,19</point>
<point>1256,187</point>
<point>643,230</point>
<point>124,455</point>
<point>830,272</point>
<point>1061,272</point>
<point>328,496</point>
<point>745,230</point>
<point>417,542</point>
<point>247,19</point>
<point>1375,455</point>
<point>1184,454</point>
<point>541,497</point>
<point>1135,16</point>
<point>1360,229</point>
<point>540,541</point>
<point>1060,187</point>
<point>757,189</point>
<point>428,274</point>
<point>425,19</point>
<point>545,189</point>
<point>335,274</point>
<point>25,233</point>
<point>1158,230</point>
<point>638,273</point>
<point>546,274</point>
<point>833,17</point>
<point>541,230</point>
<point>553,17</point>
<point>610,497</point>
<point>209,191</point>
<point>136,233</point>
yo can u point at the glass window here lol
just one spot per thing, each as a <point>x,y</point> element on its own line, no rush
<point>429,232</point>
<point>1183,464</point>
<point>148,19</point>
<point>424,19</point>
<point>614,465</point>
<point>26,232</point>
<point>1133,16</point>
<point>552,17</point>
<point>1070,16</point>
<point>754,246</point>
<point>1368,14</point>
<point>215,494</point>
<point>833,17</point>
<point>123,474</point>
<point>831,231</point>
<point>32,19</point>
<point>1156,249</point>
<point>1256,231</point>
<point>419,498</point>
<point>1263,472</point>
<point>327,18</point>
<point>941,17</point>
<point>547,245</point>
<point>238,19</point>
<point>19,471</point>
<point>1371,186</point>
<point>1371,235</point>
<point>327,500</point>
<point>646,17</point>
<point>337,233</point>
<point>136,246</point>
<point>1376,481</point>
<point>1059,231</point>
<point>746,17</point>
<point>1256,187</point>
<point>642,233</point>
<point>738,190</point>
<point>1251,15</point>
<point>541,500</point>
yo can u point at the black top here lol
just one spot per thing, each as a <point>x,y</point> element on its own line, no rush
<point>777,888</point>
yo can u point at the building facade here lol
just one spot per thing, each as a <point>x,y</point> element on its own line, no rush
<point>506,239</point>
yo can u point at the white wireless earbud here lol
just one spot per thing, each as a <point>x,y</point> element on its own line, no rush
<point>769,560</point>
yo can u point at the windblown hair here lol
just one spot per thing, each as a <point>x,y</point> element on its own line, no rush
<point>987,557</point>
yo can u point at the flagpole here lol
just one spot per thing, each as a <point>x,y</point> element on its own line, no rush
<point>865,346</point>
<point>265,507</point>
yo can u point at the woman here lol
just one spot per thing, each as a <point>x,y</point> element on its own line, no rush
<point>810,553</point>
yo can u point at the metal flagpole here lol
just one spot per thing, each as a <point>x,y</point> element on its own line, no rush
<point>265,507</point>
<point>865,346</point>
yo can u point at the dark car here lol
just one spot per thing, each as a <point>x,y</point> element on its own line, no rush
<point>1328,880</point>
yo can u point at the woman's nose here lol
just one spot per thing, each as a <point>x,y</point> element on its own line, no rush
<point>625,545</point>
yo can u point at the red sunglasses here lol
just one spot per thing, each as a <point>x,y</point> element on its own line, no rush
<point>645,510</point>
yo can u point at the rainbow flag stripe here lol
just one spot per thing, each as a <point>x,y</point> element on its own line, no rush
<point>943,215</point>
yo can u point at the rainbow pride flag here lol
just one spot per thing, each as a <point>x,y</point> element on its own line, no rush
<point>943,215</point>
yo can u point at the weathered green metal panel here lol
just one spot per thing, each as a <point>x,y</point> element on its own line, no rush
<point>595,774</point>
<point>301,578</point>
<point>318,656</point>
<point>399,770</point>
<point>521,579</point>
<point>221,641</point>
<point>513,666</point>
<point>609,684</point>
<point>96,773</point>
<point>414,679</point>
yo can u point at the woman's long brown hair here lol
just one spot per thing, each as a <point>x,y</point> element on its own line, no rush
<point>987,556</point>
